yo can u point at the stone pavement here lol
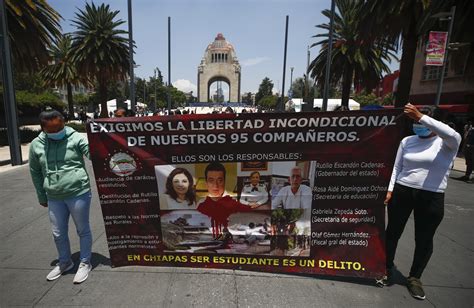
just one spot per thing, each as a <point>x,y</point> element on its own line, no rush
<point>5,162</point>
<point>27,254</point>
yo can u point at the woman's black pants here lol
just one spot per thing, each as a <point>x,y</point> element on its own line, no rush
<point>428,208</point>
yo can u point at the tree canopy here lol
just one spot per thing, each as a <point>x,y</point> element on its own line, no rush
<point>100,48</point>
<point>265,89</point>
<point>356,54</point>
<point>33,27</point>
<point>62,70</point>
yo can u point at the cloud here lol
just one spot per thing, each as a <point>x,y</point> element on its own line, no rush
<point>254,61</point>
<point>185,86</point>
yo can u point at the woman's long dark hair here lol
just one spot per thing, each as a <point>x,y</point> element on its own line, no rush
<point>190,194</point>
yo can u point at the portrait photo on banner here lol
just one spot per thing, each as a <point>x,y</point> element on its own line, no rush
<point>224,208</point>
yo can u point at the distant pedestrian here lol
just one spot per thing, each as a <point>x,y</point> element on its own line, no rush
<point>130,113</point>
<point>120,112</point>
<point>62,185</point>
<point>418,181</point>
<point>467,127</point>
<point>83,116</point>
<point>468,151</point>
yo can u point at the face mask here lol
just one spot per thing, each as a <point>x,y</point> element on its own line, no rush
<point>421,130</point>
<point>57,136</point>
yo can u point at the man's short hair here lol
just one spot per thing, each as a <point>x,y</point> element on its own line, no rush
<point>49,115</point>
<point>254,172</point>
<point>214,166</point>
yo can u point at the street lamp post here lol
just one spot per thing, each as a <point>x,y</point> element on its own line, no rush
<point>11,115</point>
<point>154,103</point>
<point>306,87</point>
<point>449,16</point>
<point>169,64</point>
<point>328,59</point>
<point>291,78</point>
<point>130,50</point>
<point>281,105</point>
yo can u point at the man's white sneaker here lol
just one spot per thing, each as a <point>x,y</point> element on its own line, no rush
<point>82,272</point>
<point>58,270</point>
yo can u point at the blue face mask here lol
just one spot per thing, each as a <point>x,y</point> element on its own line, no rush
<point>421,130</point>
<point>57,136</point>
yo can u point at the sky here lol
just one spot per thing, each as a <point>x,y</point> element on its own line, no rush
<point>256,29</point>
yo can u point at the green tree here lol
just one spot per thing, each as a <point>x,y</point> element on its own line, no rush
<point>355,52</point>
<point>32,82</point>
<point>33,103</point>
<point>265,89</point>
<point>304,89</point>
<point>159,77</point>
<point>269,101</point>
<point>141,90</point>
<point>62,71</point>
<point>33,26</point>
<point>365,99</point>
<point>298,87</point>
<point>178,99</point>
<point>31,95</point>
<point>161,104</point>
<point>100,48</point>
<point>247,98</point>
<point>82,99</point>
<point>154,85</point>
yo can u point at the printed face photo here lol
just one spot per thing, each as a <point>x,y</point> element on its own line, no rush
<point>215,182</point>
<point>183,186</point>
<point>295,178</point>
<point>180,184</point>
<point>255,178</point>
<point>176,186</point>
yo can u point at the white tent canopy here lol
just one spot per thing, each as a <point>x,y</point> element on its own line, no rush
<point>297,104</point>
<point>294,103</point>
<point>335,102</point>
<point>138,104</point>
<point>112,105</point>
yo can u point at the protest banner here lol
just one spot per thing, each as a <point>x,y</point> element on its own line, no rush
<point>436,48</point>
<point>276,192</point>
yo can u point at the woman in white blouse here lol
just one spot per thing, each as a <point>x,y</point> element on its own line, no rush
<point>418,182</point>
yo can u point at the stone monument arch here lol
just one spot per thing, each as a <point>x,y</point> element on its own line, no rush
<point>219,64</point>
